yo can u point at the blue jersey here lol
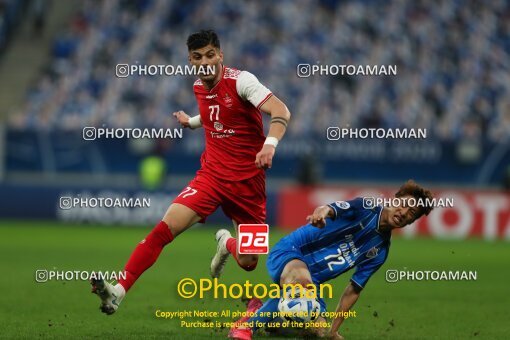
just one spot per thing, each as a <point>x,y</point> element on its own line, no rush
<point>350,239</point>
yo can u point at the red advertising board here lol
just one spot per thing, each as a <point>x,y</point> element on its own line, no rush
<point>484,214</point>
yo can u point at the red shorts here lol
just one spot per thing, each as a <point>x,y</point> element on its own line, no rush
<point>242,201</point>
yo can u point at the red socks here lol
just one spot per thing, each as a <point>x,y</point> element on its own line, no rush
<point>148,250</point>
<point>232,249</point>
<point>146,253</point>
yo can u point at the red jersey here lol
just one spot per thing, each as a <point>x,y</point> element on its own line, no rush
<point>232,122</point>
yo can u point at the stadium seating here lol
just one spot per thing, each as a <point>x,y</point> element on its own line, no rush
<point>452,63</point>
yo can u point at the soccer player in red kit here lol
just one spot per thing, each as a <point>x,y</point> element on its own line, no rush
<point>232,165</point>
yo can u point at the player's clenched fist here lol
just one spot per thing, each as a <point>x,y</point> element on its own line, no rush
<point>264,159</point>
<point>182,118</point>
<point>318,218</point>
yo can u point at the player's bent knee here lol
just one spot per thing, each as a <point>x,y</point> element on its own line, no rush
<point>175,229</point>
<point>179,218</point>
<point>296,272</point>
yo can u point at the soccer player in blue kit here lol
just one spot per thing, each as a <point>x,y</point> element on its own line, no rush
<point>338,237</point>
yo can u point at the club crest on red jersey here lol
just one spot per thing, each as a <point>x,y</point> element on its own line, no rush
<point>218,126</point>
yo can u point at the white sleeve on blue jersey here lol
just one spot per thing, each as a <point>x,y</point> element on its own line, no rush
<point>249,88</point>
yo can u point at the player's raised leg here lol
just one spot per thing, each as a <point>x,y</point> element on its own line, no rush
<point>246,261</point>
<point>177,219</point>
<point>227,245</point>
<point>245,202</point>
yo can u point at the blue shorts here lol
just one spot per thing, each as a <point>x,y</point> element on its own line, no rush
<point>282,253</point>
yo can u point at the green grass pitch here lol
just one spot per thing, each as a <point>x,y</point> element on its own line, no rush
<point>404,310</point>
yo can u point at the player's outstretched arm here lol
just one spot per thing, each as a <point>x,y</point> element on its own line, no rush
<point>187,121</point>
<point>318,218</point>
<point>280,117</point>
<point>348,299</point>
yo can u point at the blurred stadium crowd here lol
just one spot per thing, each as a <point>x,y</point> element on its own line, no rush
<point>453,61</point>
<point>10,15</point>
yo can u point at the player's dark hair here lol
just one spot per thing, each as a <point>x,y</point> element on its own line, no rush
<point>412,188</point>
<point>201,39</point>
